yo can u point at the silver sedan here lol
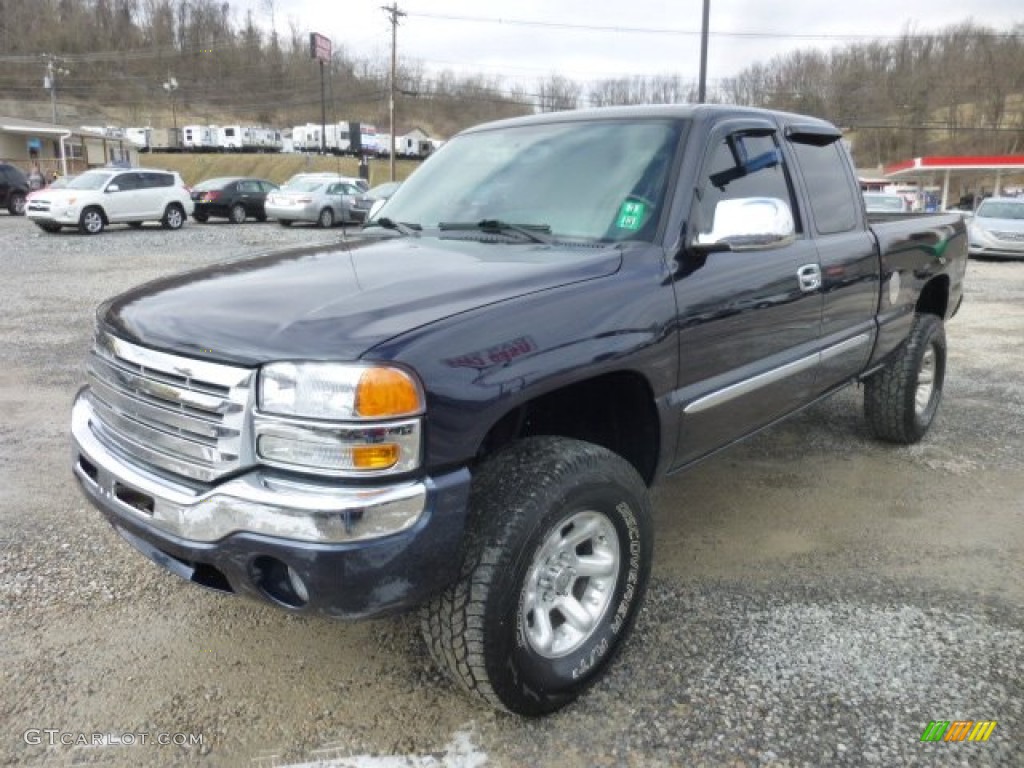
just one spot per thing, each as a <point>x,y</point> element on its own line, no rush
<point>324,202</point>
<point>997,228</point>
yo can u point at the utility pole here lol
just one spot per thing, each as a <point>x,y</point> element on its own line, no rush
<point>171,86</point>
<point>702,85</point>
<point>395,14</point>
<point>50,80</point>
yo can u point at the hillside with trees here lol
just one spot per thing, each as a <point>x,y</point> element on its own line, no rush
<point>958,90</point>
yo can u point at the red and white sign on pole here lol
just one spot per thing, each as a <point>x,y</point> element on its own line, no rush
<point>319,47</point>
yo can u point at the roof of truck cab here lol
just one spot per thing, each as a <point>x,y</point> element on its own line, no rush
<point>648,111</point>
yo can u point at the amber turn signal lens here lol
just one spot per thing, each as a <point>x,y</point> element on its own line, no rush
<point>387,392</point>
<point>374,456</point>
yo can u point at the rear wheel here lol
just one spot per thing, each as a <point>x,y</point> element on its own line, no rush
<point>91,221</point>
<point>174,217</point>
<point>16,204</point>
<point>901,400</point>
<point>553,574</point>
<point>237,214</point>
<point>326,219</point>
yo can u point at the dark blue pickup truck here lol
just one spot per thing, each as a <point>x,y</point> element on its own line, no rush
<point>463,408</point>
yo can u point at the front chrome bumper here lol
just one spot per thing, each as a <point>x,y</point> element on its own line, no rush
<point>329,548</point>
<point>257,502</point>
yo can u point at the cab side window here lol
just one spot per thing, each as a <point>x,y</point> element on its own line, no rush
<point>743,165</point>
<point>824,172</point>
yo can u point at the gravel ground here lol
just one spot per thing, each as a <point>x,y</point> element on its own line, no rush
<point>817,598</point>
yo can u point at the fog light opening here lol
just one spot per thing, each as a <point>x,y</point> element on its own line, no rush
<point>279,582</point>
<point>89,469</point>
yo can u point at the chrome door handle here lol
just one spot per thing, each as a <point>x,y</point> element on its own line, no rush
<point>809,276</point>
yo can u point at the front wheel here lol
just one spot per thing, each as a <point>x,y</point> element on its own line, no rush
<point>553,574</point>
<point>174,217</point>
<point>901,400</point>
<point>16,204</point>
<point>91,221</point>
<point>326,219</point>
<point>237,214</point>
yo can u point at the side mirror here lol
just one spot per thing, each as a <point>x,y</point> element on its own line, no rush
<point>113,188</point>
<point>749,224</point>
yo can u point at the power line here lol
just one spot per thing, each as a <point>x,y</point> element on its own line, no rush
<point>686,32</point>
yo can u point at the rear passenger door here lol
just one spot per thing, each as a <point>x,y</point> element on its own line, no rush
<point>155,188</point>
<point>846,249</point>
<point>748,312</point>
<point>250,196</point>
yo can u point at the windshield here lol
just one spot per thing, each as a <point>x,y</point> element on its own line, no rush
<point>594,180</point>
<point>302,186</point>
<point>89,181</point>
<point>1001,209</point>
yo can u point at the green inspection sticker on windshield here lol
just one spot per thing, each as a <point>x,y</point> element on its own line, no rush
<point>631,215</point>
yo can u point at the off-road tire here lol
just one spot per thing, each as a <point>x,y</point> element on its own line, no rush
<point>901,400</point>
<point>174,217</point>
<point>482,630</point>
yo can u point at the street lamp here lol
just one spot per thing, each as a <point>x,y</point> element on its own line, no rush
<point>50,82</point>
<point>171,86</point>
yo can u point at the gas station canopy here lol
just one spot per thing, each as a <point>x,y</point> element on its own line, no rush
<point>932,167</point>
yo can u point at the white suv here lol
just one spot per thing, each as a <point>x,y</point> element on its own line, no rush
<point>105,196</point>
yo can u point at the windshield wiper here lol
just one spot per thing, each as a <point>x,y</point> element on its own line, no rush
<point>410,230</point>
<point>537,233</point>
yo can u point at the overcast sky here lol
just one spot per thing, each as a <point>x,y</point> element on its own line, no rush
<point>552,41</point>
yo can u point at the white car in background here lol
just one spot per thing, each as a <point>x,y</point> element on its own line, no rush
<point>103,196</point>
<point>996,230</point>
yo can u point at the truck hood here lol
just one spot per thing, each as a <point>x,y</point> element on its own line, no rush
<point>337,302</point>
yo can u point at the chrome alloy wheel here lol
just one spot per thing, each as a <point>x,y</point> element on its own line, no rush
<point>570,584</point>
<point>925,381</point>
<point>92,221</point>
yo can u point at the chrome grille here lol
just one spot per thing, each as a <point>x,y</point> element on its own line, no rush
<point>178,414</point>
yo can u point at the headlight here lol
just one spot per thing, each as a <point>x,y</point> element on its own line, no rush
<point>336,419</point>
<point>339,392</point>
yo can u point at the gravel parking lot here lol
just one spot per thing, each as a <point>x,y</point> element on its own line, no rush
<point>817,597</point>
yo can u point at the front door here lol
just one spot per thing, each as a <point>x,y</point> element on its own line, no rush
<point>749,320</point>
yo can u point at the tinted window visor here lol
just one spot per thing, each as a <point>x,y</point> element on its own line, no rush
<point>601,180</point>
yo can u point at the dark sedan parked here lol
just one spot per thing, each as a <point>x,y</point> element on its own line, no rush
<point>232,198</point>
